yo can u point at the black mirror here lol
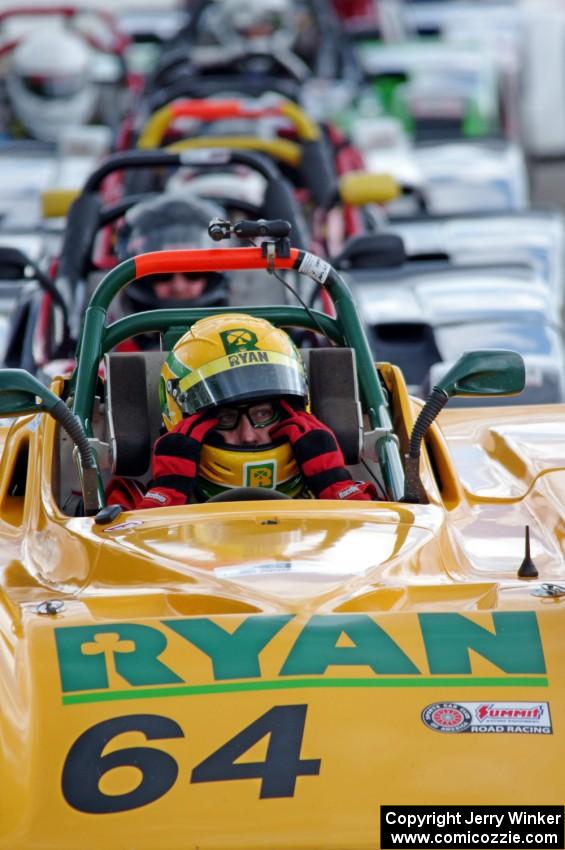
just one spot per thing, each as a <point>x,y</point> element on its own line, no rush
<point>371,251</point>
<point>13,263</point>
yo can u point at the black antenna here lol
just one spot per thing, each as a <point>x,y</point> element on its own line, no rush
<point>527,568</point>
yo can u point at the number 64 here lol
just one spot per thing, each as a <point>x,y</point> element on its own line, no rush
<point>85,765</point>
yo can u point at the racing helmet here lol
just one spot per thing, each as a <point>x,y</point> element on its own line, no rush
<point>224,360</point>
<point>162,223</point>
<point>48,82</point>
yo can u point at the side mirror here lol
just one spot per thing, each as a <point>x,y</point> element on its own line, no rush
<point>13,263</point>
<point>21,393</point>
<point>489,372</point>
<point>361,187</point>
<point>371,251</point>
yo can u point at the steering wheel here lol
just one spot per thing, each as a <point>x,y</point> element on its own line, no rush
<point>248,494</point>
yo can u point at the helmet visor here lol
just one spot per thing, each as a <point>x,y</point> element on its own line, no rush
<point>246,375</point>
<point>54,88</point>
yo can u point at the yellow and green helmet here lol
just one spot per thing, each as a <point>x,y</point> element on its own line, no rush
<point>226,359</point>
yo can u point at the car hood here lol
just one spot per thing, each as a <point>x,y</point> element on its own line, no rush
<point>444,296</point>
<point>535,237</point>
<point>206,643</point>
<point>457,178</point>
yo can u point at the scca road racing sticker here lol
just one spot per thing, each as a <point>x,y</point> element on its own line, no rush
<point>447,717</point>
<point>522,718</point>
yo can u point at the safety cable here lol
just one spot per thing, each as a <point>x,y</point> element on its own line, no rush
<point>298,298</point>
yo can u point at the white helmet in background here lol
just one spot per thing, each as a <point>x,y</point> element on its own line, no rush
<point>48,82</point>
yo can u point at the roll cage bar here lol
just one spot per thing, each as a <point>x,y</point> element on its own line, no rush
<point>157,125</point>
<point>97,338</point>
<point>318,170</point>
<point>88,215</point>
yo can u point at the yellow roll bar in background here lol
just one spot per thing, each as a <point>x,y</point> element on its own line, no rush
<point>157,125</point>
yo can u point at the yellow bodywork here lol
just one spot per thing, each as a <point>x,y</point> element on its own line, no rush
<point>312,635</point>
<point>55,203</point>
<point>361,187</point>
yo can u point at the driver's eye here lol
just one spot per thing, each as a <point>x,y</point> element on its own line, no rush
<point>227,419</point>
<point>262,413</point>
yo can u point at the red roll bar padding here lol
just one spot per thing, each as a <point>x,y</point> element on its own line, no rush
<point>8,46</point>
<point>219,259</point>
<point>213,110</point>
<point>33,11</point>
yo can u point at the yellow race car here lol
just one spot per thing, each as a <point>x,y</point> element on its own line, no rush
<point>246,674</point>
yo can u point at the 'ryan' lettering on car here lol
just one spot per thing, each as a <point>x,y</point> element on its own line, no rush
<point>89,657</point>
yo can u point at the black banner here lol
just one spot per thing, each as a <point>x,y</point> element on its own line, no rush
<point>484,827</point>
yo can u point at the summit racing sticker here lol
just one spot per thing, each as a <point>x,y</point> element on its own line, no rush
<point>525,718</point>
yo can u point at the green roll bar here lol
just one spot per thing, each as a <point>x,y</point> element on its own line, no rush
<point>97,338</point>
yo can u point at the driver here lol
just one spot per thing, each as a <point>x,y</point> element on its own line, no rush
<point>233,395</point>
<point>169,222</point>
<point>48,84</point>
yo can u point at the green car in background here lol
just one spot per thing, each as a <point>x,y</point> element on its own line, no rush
<point>435,90</point>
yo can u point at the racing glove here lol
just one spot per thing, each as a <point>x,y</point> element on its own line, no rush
<point>125,492</point>
<point>319,457</point>
<point>175,462</point>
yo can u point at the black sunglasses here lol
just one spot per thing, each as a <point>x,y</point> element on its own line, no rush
<point>152,279</point>
<point>260,415</point>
